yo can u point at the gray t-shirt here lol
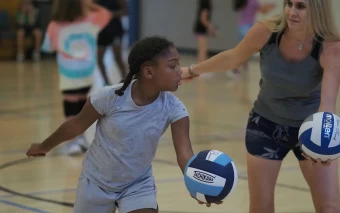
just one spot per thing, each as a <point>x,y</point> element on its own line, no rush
<point>127,136</point>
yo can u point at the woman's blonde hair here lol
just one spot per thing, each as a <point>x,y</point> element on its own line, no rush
<point>320,20</point>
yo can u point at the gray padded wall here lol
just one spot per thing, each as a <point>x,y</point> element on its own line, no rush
<point>174,19</point>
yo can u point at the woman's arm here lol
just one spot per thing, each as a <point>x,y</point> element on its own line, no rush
<point>330,63</point>
<point>181,139</point>
<point>255,39</point>
<point>331,77</point>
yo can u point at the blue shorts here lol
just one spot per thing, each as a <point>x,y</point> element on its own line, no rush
<point>91,198</point>
<point>269,140</point>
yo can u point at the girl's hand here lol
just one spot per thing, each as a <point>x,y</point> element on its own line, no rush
<point>207,204</point>
<point>36,150</point>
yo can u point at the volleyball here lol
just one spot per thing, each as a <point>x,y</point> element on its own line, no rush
<point>210,176</point>
<point>319,136</point>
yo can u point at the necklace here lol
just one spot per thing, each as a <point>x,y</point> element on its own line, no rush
<point>300,44</point>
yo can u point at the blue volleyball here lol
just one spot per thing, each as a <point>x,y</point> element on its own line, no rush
<point>210,176</point>
<point>319,136</point>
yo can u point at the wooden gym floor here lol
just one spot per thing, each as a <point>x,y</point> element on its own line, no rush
<point>31,109</point>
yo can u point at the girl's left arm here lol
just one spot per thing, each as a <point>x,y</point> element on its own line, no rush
<point>181,139</point>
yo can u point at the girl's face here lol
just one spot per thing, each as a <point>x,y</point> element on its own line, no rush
<point>296,14</point>
<point>166,75</point>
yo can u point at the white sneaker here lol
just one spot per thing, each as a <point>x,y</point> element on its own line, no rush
<point>77,146</point>
<point>20,57</point>
<point>36,56</point>
<point>233,74</point>
<point>74,149</point>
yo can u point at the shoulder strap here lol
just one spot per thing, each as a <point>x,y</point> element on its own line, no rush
<point>272,39</point>
<point>275,37</point>
<point>317,47</point>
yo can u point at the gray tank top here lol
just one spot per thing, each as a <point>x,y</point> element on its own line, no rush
<point>289,92</point>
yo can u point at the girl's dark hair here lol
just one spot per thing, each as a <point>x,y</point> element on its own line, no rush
<point>145,50</point>
<point>67,10</point>
<point>239,4</point>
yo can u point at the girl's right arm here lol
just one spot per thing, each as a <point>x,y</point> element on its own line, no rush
<point>68,130</point>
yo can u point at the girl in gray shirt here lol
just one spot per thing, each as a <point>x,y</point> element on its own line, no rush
<point>132,117</point>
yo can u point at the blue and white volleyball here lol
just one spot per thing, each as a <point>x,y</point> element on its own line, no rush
<point>210,176</point>
<point>319,136</point>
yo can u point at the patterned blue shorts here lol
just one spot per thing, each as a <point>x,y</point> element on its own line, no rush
<point>270,140</point>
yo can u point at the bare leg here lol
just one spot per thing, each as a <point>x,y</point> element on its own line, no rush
<point>117,50</point>
<point>202,48</point>
<point>20,44</point>
<point>262,177</point>
<point>78,144</point>
<point>38,39</point>
<point>102,68</point>
<point>323,182</point>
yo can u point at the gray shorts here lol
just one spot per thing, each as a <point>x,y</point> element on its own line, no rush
<point>92,199</point>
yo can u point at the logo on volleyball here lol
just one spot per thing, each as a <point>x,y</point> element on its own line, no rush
<point>327,126</point>
<point>204,177</point>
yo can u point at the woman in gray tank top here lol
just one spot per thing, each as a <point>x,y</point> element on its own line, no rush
<point>300,75</point>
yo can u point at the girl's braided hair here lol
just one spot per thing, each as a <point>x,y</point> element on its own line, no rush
<point>145,50</point>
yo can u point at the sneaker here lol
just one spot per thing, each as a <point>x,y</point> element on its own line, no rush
<point>74,149</point>
<point>77,146</point>
<point>20,57</point>
<point>36,56</point>
<point>233,74</point>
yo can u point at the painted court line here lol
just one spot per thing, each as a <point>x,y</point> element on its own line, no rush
<point>22,206</point>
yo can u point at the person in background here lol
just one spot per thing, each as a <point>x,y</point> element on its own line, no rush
<point>203,28</point>
<point>27,22</point>
<point>248,9</point>
<point>72,33</point>
<point>111,36</point>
